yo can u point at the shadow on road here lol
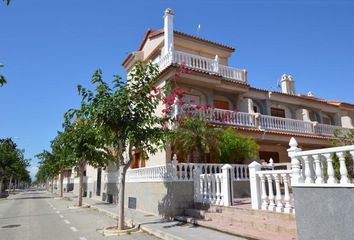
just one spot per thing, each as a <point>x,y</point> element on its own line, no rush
<point>19,198</point>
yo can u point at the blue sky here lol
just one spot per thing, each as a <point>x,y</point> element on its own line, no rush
<point>48,47</point>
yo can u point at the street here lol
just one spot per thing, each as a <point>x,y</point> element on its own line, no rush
<point>37,215</point>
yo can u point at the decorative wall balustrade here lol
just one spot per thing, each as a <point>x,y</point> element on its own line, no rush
<point>285,124</point>
<point>271,189</point>
<point>210,189</point>
<point>317,168</point>
<point>182,172</point>
<point>234,118</point>
<point>201,63</point>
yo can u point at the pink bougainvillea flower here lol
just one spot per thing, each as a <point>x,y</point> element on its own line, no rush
<point>192,101</point>
<point>181,103</point>
<point>198,106</point>
<point>177,75</point>
<point>237,110</point>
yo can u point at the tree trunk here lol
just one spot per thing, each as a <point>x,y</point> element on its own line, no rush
<point>61,184</point>
<point>10,185</point>
<point>14,186</point>
<point>52,185</point>
<point>1,184</point>
<point>81,183</point>
<point>121,216</point>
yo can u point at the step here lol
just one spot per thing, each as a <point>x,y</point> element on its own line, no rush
<point>268,223</point>
<point>246,211</point>
<point>239,229</point>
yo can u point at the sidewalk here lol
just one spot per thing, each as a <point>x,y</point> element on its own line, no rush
<point>157,226</point>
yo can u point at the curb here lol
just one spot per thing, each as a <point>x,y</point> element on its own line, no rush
<point>157,233</point>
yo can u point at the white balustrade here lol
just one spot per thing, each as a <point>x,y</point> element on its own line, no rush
<point>214,188</point>
<point>149,174</point>
<point>193,61</point>
<point>220,115</point>
<point>270,189</point>
<point>227,117</point>
<point>322,160</point>
<point>285,124</point>
<point>325,129</point>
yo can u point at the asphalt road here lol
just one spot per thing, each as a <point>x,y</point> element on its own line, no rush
<point>35,215</point>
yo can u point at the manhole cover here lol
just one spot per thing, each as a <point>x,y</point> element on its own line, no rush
<point>11,226</point>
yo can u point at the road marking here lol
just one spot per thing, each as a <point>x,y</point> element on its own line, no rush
<point>57,212</point>
<point>54,208</point>
<point>83,238</point>
<point>61,216</point>
<point>66,221</point>
<point>73,229</point>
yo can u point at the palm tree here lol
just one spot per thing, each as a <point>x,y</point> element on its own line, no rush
<point>195,137</point>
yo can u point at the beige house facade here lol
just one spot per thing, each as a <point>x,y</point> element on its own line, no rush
<point>271,117</point>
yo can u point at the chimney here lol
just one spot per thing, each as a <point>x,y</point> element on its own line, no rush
<point>168,30</point>
<point>287,84</point>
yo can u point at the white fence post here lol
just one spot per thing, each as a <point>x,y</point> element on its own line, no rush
<point>296,176</point>
<point>174,167</point>
<point>254,185</point>
<point>226,185</point>
<point>197,189</point>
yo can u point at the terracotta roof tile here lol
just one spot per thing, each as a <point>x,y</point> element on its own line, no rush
<point>326,101</point>
<point>291,134</point>
<point>153,33</point>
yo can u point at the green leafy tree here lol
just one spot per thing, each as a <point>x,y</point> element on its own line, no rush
<point>48,168</point>
<point>86,145</point>
<point>12,163</point>
<point>126,110</point>
<point>7,1</point>
<point>195,137</point>
<point>61,149</point>
<point>2,80</point>
<point>342,139</point>
<point>236,148</point>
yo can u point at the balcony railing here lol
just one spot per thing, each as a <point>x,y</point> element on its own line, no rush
<point>226,117</point>
<point>202,63</point>
<point>285,124</point>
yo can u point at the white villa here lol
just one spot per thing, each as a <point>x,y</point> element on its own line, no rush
<point>271,117</point>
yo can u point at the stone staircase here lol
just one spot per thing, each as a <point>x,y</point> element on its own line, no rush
<point>245,222</point>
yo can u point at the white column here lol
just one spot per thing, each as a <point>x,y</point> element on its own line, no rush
<point>218,193</point>
<point>226,185</point>
<point>197,187</point>
<point>295,163</point>
<point>279,207</point>
<point>308,172</point>
<point>271,206</point>
<point>216,63</point>
<point>318,170</point>
<point>174,163</point>
<point>264,193</point>
<point>288,207</point>
<point>254,185</point>
<point>342,168</point>
<point>168,30</point>
<point>330,171</point>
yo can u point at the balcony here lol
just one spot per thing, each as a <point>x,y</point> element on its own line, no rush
<point>203,64</point>
<point>242,119</point>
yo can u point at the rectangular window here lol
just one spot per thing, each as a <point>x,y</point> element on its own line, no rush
<point>263,155</point>
<point>192,99</point>
<point>277,112</point>
<point>221,104</point>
